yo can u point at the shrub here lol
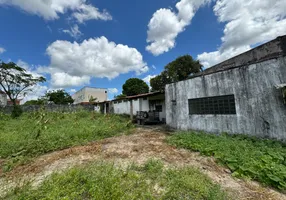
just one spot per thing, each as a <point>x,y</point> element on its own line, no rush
<point>16,112</point>
<point>260,159</point>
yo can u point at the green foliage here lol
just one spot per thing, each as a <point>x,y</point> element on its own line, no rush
<point>120,96</point>
<point>34,134</point>
<point>15,81</point>
<point>134,86</point>
<point>178,70</point>
<point>159,82</point>
<point>35,102</point>
<point>59,97</point>
<point>106,181</point>
<point>92,100</point>
<point>261,160</point>
<point>17,111</point>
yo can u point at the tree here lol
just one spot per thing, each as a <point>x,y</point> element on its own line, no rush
<point>178,70</point>
<point>15,81</point>
<point>182,68</point>
<point>35,102</point>
<point>120,96</point>
<point>59,97</point>
<point>134,86</point>
<point>158,83</point>
<point>92,100</point>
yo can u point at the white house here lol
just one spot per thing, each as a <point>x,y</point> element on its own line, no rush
<point>149,102</point>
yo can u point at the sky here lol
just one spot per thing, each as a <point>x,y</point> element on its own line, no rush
<point>102,43</point>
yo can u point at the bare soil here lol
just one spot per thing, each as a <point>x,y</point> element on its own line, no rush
<point>145,143</point>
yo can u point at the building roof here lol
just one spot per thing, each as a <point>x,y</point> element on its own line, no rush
<point>270,50</point>
<point>139,95</point>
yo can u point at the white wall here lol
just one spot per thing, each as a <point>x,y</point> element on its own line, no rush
<point>260,110</point>
<point>3,99</point>
<point>122,108</point>
<point>138,105</point>
<point>85,94</point>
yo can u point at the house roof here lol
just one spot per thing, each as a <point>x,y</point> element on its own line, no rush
<point>139,95</point>
<point>270,50</point>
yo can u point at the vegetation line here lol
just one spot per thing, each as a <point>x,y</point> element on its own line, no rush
<point>260,159</point>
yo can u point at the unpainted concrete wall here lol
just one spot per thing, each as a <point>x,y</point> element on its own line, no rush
<point>3,99</point>
<point>259,105</point>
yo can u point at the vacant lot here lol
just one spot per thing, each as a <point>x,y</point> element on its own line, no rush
<point>261,160</point>
<point>38,133</point>
<point>137,165</point>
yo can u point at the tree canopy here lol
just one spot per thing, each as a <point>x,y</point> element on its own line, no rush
<point>120,96</point>
<point>134,86</point>
<point>34,102</point>
<point>59,97</point>
<point>180,69</point>
<point>15,81</point>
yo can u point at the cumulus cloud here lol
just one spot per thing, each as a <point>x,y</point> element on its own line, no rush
<point>247,23</point>
<point>74,64</point>
<point>36,90</point>
<point>73,90</point>
<point>112,90</point>
<point>148,78</point>
<point>74,32</point>
<point>62,79</point>
<point>165,25</point>
<point>88,12</point>
<point>2,50</point>
<point>50,9</point>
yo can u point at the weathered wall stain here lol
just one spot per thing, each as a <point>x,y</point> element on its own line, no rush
<point>252,78</point>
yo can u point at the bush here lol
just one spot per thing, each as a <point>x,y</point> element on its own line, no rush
<point>16,112</point>
<point>260,159</point>
<point>37,133</point>
<point>105,181</point>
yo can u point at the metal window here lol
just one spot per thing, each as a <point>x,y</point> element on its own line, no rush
<point>221,105</point>
<point>159,108</point>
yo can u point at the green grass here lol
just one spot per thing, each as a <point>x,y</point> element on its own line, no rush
<point>34,134</point>
<point>261,160</point>
<point>105,181</point>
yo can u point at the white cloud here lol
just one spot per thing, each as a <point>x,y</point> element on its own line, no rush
<point>73,64</point>
<point>248,23</point>
<point>62,79</point>
<point>73,90</point>
<point>212,58</point>
<point>2,50</point>
<point>50,9</point>
<point>89,12</point>
<point>165,25</point>
<point>36,90</point>
<point>148,78</point>
<point>112,90</point>
<point>74,32</point>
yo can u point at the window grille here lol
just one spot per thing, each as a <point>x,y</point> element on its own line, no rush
<point>221,105</point>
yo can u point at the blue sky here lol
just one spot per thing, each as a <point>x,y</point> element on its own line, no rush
<point>99,43</point>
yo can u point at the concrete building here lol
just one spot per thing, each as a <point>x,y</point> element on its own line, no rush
<point>243,95</point>
<point>83,96</point>
<point>3,98</point>
<point>154,101</point>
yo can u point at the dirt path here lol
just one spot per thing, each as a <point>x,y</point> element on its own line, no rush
<point>144,144</point>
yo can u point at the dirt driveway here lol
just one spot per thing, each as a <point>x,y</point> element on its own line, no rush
<point>145,143</point>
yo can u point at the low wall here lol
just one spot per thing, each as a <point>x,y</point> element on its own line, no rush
<point>50,108</point>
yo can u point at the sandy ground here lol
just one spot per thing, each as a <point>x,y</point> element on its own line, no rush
<point>145,143</point>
